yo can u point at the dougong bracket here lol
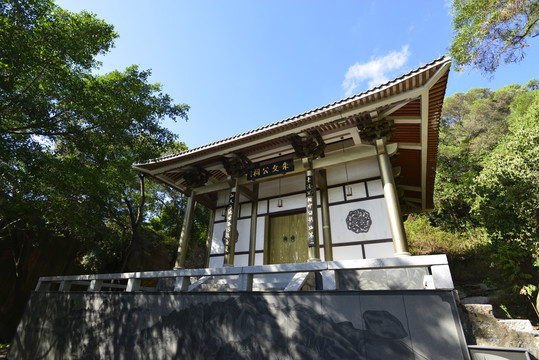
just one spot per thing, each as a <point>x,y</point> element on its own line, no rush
<point>311,146</point>
<point>236,165</point>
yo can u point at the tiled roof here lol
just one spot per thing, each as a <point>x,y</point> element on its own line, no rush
<point>297,118</point>
<point>401,98</point>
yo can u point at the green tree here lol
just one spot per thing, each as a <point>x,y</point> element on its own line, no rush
<point>507,199</point>
<point>487,31</point>
<point>68,138</point>
<point>471,126</point>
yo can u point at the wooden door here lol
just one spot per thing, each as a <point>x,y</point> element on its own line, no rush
<point>288,239</point>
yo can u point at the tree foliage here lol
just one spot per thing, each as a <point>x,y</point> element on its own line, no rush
<point>472,124</point>
<point>506,192</point>
<point>488,31</point>
<point>487,182</point>
<point>68,138</point>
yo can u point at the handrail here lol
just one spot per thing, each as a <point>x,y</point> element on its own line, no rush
<point>439,276</point>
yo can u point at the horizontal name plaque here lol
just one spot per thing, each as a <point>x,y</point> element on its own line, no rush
<point>280,167</point>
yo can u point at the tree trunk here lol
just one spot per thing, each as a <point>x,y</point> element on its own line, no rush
<point>135,223</point>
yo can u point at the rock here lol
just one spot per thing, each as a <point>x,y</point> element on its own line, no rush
<point>484,309</point>
<point>475,300</point>
<point>517,325</point>
<point>485,330</point>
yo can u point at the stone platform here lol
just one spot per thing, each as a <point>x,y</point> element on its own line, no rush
<point>403,324</point>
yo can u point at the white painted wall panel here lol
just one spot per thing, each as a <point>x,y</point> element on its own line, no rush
<point>358,191</point>
<point>380,223</point>
<point>222,198</point>
<point>260,233</point>
<point>245,209</point>
<point>374,251</point>
<point>375,187</point>
<point>335,194</point>
<point>353,171</point>
<point>217,246</point>
<point>289,203</point>
<point>219,214</point>
<point>263,207</point>
<point>352,252</point>
<point>363,169</point>
<point>241,260</point>
<point>216,261</point>
<point>244,231</point>
<point>259,259</point>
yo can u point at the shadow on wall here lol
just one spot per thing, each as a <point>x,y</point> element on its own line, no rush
<point>227,326</point>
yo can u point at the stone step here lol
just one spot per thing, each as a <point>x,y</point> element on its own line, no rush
<point>486,330</point>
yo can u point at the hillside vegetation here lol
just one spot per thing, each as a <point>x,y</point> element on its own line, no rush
<point>486,215</point>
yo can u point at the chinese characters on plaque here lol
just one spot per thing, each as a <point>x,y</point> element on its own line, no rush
<point>229,214</point>
<point>309,193</point>
<point>281,167</point>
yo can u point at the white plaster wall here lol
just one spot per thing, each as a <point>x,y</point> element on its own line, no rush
<point>245,209</point>
<point>244,231</point>
<point>358,191</point>
<point>217,246</point>
<point>380,223</point>
<point>283,185</point>
<point>241,260</point>
<point>260,222</point>
<point>375,187</point>
<point>216,261</point>
<point>222,198</point>
<point>353,171</point>
<point>356,171</point>
<point>289,203</point>
<point>335,194</point>
<point>262,207</point>
<point>352,252</point>
<point>374,251</point>
<point>259,259</point>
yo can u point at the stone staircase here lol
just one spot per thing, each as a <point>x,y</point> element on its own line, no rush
<point>482,328</point>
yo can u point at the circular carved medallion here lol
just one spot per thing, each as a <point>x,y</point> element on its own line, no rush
<point>359,221</point>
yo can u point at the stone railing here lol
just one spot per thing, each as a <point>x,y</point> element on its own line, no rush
<point>397,273</point>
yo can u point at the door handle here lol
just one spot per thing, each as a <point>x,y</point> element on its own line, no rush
<point>285,238</point>
<point>293,238</point>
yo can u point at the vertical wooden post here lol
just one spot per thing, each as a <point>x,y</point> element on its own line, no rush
<point>391,198</point>
<point>252,239</point>
<point>312,215</point>
<point>231,225</point>
<point>186,231</point>
<point>210,237</point>
<point>326,222</point>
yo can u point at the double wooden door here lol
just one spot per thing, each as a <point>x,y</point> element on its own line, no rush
<point>288,239</point>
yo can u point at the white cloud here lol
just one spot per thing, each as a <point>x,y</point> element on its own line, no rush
<point>376,70</point>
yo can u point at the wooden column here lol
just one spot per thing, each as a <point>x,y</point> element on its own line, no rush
<point>210,237</point>
<point>392,201</point>
<point>312,215</point>
<point>231,225</point>
<point>252,238</point>
<point>186,231</point>
<point>326,222</point>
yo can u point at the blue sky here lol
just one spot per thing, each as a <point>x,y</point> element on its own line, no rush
<point>243,64</point>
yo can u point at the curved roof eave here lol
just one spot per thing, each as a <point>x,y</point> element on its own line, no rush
<point>320,112</point>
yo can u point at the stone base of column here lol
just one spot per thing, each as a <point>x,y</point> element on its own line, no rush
<point>402,254</point>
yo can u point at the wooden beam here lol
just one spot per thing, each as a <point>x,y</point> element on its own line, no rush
<point>248,193</point>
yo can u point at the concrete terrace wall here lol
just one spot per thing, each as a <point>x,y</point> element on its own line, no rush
<point>302,325</point>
